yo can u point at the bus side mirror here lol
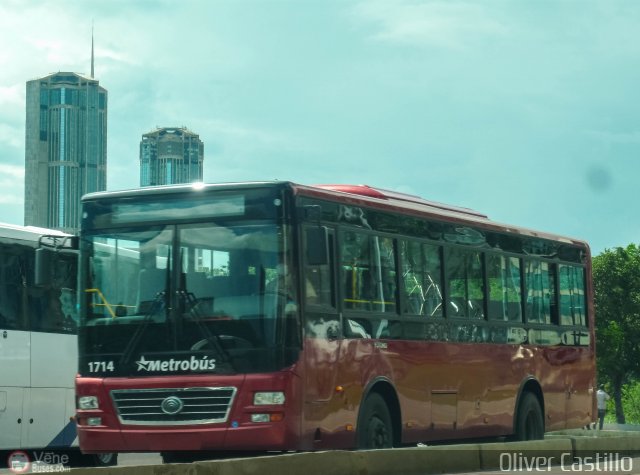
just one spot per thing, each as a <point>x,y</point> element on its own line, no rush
<point>44,258</point>
<point>317,246</point>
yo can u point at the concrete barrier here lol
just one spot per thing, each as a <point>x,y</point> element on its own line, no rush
<point>436,459</point>
<point>422,460</point>
<point>592,433</point>
<point>517,456</point>
<point>314,463</point>
<point>590,446</point>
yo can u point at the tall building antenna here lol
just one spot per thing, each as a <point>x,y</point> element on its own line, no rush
<point>92,49</point>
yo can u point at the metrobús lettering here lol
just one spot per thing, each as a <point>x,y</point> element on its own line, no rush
<point>600,462</point>
<point>192,364</point>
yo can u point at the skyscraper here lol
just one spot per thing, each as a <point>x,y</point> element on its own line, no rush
<point>170,155</point>
<point>66,147</point>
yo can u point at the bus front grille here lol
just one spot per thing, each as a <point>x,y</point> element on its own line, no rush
<point>173,406</point>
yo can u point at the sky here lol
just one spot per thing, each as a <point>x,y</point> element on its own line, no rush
<point>526,111</point>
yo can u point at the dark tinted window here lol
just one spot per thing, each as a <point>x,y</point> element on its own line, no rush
<point>421,275</point>
<point>12,278</point>
<point>505,302</point>
<point>465,283</point>
<point>368,272</point>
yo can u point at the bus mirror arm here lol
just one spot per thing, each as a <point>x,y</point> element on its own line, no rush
<point>44,256</point>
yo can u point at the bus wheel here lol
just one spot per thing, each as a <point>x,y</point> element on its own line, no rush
<point>105,460</point>
<point>530,422</point>
<point>374,424</point>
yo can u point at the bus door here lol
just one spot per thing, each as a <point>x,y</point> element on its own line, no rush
<point>322,327</point>
<point>14,345</point>
<point>53,365</point>
<point>14,380</point>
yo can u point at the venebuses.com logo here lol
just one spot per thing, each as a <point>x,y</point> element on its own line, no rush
<point>19,462</point>
<point>42,462</point>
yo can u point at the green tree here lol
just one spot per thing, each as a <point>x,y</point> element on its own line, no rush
<point>631,401</point>
<point>616,279</point>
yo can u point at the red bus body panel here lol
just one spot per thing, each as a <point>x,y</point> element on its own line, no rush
<point>445,391</point>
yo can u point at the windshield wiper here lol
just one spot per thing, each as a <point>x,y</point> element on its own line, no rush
<point>160,301</point>
<point>213,338</point>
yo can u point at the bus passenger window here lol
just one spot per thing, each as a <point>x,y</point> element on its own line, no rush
<point>368,272</point>
<point>385,276</point>
<point>52,306</point>
<point>505,301</point>
<point>541,294</point>
<point>318,281</point>
<point>421,276</point>
<point>465,283</point>
<point>11,291</point>
<point>356,271</point>
<point>572,304</point>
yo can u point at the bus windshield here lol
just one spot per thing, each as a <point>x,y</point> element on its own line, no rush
<point>184,298</point>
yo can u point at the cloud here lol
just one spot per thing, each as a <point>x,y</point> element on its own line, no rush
<point>12,185</point>
<point>234,132</point>
<point>12,136</point>
<point>11,200</point>
<point>11,95</point>
<point>11,171</point>
<point>451,25</point>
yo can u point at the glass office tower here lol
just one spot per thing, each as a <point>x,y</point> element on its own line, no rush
<point>66,148</point>
<point>170,155</point>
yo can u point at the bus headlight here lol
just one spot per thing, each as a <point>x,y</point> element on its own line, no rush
<point>273,417</point>
<point>268,398</point>
<point>87,402</point>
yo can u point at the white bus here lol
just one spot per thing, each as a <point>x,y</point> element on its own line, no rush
<point>38,346</point>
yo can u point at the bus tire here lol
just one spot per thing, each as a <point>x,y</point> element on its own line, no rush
<point>104,460</point>
<point>375,430</point>
<point>530,421</point>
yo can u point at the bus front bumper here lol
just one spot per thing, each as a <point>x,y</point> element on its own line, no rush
<point>267,436</point>
<point>247,426</point>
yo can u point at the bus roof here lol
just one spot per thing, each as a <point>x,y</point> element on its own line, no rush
<point>383,194</point>
<point>415,205</point>
<point>181,188</point>
<point>12,232</point>
<point>357,195</point>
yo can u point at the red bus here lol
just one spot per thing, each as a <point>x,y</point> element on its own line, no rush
<point>275,316</point>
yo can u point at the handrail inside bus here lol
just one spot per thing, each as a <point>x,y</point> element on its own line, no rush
<point>104,299</point>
